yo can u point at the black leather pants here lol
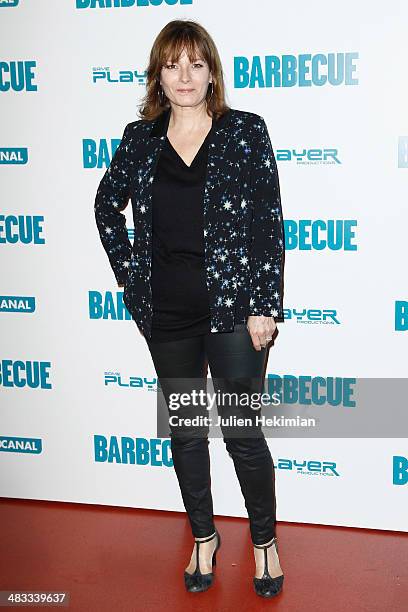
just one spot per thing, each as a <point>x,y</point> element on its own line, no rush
<point>234,366</point>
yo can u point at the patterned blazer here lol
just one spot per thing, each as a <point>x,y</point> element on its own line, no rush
<point>242,224</point>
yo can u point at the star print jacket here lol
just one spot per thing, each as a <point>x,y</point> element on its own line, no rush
<point>242,223</point>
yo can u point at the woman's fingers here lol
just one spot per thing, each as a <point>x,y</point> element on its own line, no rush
<point>261,330</point>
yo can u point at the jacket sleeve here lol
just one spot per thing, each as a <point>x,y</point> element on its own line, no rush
<point>267,236</point>
<point>111,198</point>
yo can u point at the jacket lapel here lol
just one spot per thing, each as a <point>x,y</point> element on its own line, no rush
<point>215,180</point>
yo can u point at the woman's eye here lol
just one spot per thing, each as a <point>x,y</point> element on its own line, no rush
<point>199,64</point>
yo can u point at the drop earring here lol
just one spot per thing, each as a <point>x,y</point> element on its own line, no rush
<point>161,95</point>
<point>212,89</point>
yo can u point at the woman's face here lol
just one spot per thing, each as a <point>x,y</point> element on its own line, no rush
<point>185,83</point>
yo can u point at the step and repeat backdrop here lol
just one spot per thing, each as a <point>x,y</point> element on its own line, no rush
<point>78,387</point>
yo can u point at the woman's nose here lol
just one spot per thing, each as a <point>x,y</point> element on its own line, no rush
<point>185,74</point>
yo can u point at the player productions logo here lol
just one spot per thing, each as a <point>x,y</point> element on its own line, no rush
<point>309,157</point>
<point>32,374</point>
<point>399,470</point>
<point>118,380</point>
<point>13,156</point>
<point>11,444</point>
<point>17,76</point>
<point>21,229</point>
<point>132,451</point>
<point>106,4</point>
<point>107,305</point>
<point>316,316</point>
<point>17,303</point>
<point>113,75</point>
<point>403,152</point>
<point>320,234</point>
<point>98,154</point>
<point>308,467</point>
<point>305,70</point>
<point>10,3</point>
<point>401,315</point>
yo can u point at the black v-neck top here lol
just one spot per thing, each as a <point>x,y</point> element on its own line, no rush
<point>179,290</point>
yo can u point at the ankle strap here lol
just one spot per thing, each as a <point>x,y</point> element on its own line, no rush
<point>275,539</point>
<point>207,539</point>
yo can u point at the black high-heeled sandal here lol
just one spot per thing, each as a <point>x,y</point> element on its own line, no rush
<point>197,581</point>
<point>268,586</point>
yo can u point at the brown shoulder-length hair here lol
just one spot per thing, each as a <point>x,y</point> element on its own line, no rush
<point>177,35</point>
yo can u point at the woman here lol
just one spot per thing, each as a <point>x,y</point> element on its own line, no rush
<point>203,279</point>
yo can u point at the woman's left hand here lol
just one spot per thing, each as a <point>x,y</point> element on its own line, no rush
<point>261,330</point>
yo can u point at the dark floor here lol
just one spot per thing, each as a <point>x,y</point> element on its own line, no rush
<point>122,559</point>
